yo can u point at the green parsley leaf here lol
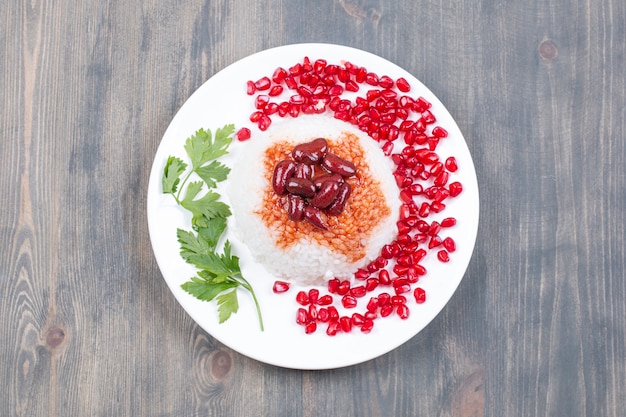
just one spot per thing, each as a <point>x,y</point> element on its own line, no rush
<point>205,290</point>
<point>213,173</point>
<point>227,304</point>
<point>191,244</point>
<point>174,167</point>
<point>205,208</point>
<point>213,231</point>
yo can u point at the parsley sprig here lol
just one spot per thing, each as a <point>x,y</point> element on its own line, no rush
<point>219,275</point>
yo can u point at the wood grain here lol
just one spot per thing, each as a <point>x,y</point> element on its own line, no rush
<point>87,324</point>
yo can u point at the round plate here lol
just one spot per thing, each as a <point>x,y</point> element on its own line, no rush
<point>222,100</point>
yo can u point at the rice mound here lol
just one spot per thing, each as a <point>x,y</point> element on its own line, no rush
<point>307,262</point>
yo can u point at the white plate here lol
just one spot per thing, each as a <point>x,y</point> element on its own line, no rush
<point>223,99</point>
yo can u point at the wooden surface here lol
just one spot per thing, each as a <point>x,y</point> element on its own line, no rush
<point>87,324</point>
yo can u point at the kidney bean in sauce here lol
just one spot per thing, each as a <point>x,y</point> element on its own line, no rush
<point>283,171</point>
<point>295,207</point>
<point>318,181</point>
<point>326,195</point>
<point>340,166</point>
<point>337,206</point>
<point>300,186</point>
<point>314,182</point>
<point>310,152</point>
<point>303,171</point>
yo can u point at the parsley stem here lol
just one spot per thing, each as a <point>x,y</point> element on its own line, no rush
<point>182,185</point>
<point>247,286</point>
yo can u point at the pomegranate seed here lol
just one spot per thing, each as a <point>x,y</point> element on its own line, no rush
<point>422,104</point>
<point>372,305</point>
<point>250,88</point>
<point>270,109</point>
<point>302,298</point>
<point>322,315</point>
<point>437,207</point>
<point>424,210</point>
<point>451,164</point>
<point>371,284</point>
<point>367,326</point>
<point>397,300</point>
<point>434,228</point>
<point>420,269</point>
<point>434,242</point>
<point>387,148</point>
<point>294,110</point>
<point>361,75</point>
<point>348,301</point>
<point>279,75</point>
<point>412,275</point>
<point>320,65</point>
<point>440,132</point>
<point>331,69</point>
<point>401,289</point>
<point>383,299</point>
<point>386,82</point>
<point>442,255</point>
<point>352,86</point>
<point>403,311</point>
<point>295,70</point>
<point>291,82</point>
<point>455,189</point>
<point>263,84</point>
<point>333,328</point>
<point>280,287</point>
<point>333,285</point>
<point>243,134</point>
<point>358,291</point>
<point>344,287</point>
<point>357,319</point>
<point>275,91</point>
<point>325,300</point>
<point>261,101</point>
<point>448,222</point>
<point>420,295</point>
<point>333,313</point>
<point>386,310</point>
<point>403,85</point>
<point>310,327</point>
<point>400,269</point>
<point>346,324</point>
<point>302,316</point>
<point>256,116</point>
<point>371,79</point>
<point>449,244</point>
<point>361,274</point>
<point>313,296</point>
<point>312,312</point>
<point>264,122</point>
<point>383,277</point>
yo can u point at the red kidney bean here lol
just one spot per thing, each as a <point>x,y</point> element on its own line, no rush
<point>310,152</point>
<point>303,171</point>
<point>300,186</point>
<point>340,166</point>
<point>327,177</point>
<point>339,204</point>
<point>326,195</point>
<point>314,216</point>
<point>283,171</point>
<point>295,207</point>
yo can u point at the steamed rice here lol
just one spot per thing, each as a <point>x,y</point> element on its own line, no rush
<point>308,260</point>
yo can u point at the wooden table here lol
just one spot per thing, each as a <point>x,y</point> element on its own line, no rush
<point>88,326</point>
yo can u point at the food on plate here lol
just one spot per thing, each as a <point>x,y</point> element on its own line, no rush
<point>313,200</point>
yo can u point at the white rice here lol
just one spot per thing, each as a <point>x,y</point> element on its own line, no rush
<point>306,262</point>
